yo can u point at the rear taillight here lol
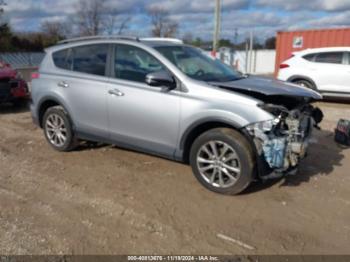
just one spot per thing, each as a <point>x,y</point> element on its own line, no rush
<point>283,66</point>
<point>35,75</point>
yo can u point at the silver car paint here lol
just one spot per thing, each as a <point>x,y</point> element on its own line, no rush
<point>148,118</point>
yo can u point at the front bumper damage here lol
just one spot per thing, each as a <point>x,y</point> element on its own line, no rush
<point>283,142</point>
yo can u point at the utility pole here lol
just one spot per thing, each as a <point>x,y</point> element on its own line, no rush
<point>236,36</point>
<point>217,27</point>
<point>251,47</point>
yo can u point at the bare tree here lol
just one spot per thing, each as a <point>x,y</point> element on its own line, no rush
<point>93,17</point>
<point>162,25</point>
<point>111,24</point>
<point>55,29</point>
<point>89,17</point>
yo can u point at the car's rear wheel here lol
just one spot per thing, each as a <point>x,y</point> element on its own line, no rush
<point>304,83</point>
<point>58,129</point>
<point>222,160</point>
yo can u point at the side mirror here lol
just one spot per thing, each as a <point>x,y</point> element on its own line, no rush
<point>160,79</point>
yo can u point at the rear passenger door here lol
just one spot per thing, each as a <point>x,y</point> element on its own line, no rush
<point>82,81</point>
<point>331,72</point>
<point>141,116</point>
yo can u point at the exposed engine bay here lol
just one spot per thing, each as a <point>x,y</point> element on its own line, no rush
<point>283,141</point>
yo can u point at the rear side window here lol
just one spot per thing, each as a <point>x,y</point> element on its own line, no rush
<point>89,59</point>
<point>133,63</point>
<point>331,57</point>
<point>310,57</point>
<point>62,59</point>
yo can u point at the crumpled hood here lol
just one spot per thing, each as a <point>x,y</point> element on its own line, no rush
<point>268,87</point>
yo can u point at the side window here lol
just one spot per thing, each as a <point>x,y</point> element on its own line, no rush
<point>133,63</point>
<point>331,57</point>
<point>63,59</point>
<point>90,59</point>
<point>310,57</point>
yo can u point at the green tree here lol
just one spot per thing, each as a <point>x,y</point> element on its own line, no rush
<point>225,43</point>
<point>270,43</point>
<point>5,38</point>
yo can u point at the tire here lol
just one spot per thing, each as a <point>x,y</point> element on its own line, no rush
<point>56,121</point>
<point>239,157</point>
<point>304,83</point>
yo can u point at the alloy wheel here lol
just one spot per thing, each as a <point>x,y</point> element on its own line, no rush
<point>56,130</point>
<point>218,164</point>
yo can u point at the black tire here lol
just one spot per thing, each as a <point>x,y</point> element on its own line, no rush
<point>71,141</point>
<point>304,83</point>
<point>243,150</point>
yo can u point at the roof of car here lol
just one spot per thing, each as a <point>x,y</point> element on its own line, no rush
<point>150,41</point>
<point>323,49</point>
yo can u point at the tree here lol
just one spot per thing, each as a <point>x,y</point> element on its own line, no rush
<point>55,30</point>
<point>5,38</point>
<point>198,42</point>
<point>225,43</point>
<point>162,25</point>
<point>93,17</point>
<point>188,38</point>
<point>270,43</point>
<point>89,17</point>
<point>111,26</point>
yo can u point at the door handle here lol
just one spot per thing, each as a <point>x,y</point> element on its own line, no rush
<point>63,84</point>
<point>115,92</point>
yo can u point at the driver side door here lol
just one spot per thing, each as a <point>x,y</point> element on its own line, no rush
<point>141,116</point>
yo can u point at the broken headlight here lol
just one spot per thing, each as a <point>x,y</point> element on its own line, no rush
<point>265,126</point>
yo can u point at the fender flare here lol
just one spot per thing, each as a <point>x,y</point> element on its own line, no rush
<point>56,100</point>
<point>202,121</point>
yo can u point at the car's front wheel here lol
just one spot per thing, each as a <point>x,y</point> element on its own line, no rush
<point>222,160</point>
<point>58,129</point>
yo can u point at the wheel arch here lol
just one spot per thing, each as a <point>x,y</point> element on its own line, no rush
<point>302,77</point>
<point>47,102</point>
<point>198,128</point>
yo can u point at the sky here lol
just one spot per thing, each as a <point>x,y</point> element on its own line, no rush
<point>263,17</point>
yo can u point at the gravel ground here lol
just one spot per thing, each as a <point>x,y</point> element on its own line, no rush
<point>105,200</point>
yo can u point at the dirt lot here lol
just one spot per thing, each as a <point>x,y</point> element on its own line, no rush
<point>110,201</point>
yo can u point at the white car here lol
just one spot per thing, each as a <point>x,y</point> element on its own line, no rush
<point>326,70</point>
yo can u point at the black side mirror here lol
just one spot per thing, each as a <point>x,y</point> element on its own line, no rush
<point>161,79</point>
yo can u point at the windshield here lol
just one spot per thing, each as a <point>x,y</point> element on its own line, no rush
<point>197,65</point>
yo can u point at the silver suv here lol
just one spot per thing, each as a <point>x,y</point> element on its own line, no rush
<point>172,100</point>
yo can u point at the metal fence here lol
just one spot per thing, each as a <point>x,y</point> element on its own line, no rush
<point>22,60</point>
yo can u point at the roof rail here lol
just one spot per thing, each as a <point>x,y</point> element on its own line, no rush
<point>98,37</point>
<point>162,39</point>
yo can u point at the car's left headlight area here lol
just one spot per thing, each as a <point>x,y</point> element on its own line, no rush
<point>283,141</point>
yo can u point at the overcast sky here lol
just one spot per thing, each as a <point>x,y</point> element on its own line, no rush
<point>196,16</point>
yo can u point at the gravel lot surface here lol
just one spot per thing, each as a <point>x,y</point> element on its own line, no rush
<point>105,200</point>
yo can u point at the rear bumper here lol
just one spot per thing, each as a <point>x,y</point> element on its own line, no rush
<point>14,90</point>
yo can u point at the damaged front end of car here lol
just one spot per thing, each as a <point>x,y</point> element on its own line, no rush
<point>283,141</point>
